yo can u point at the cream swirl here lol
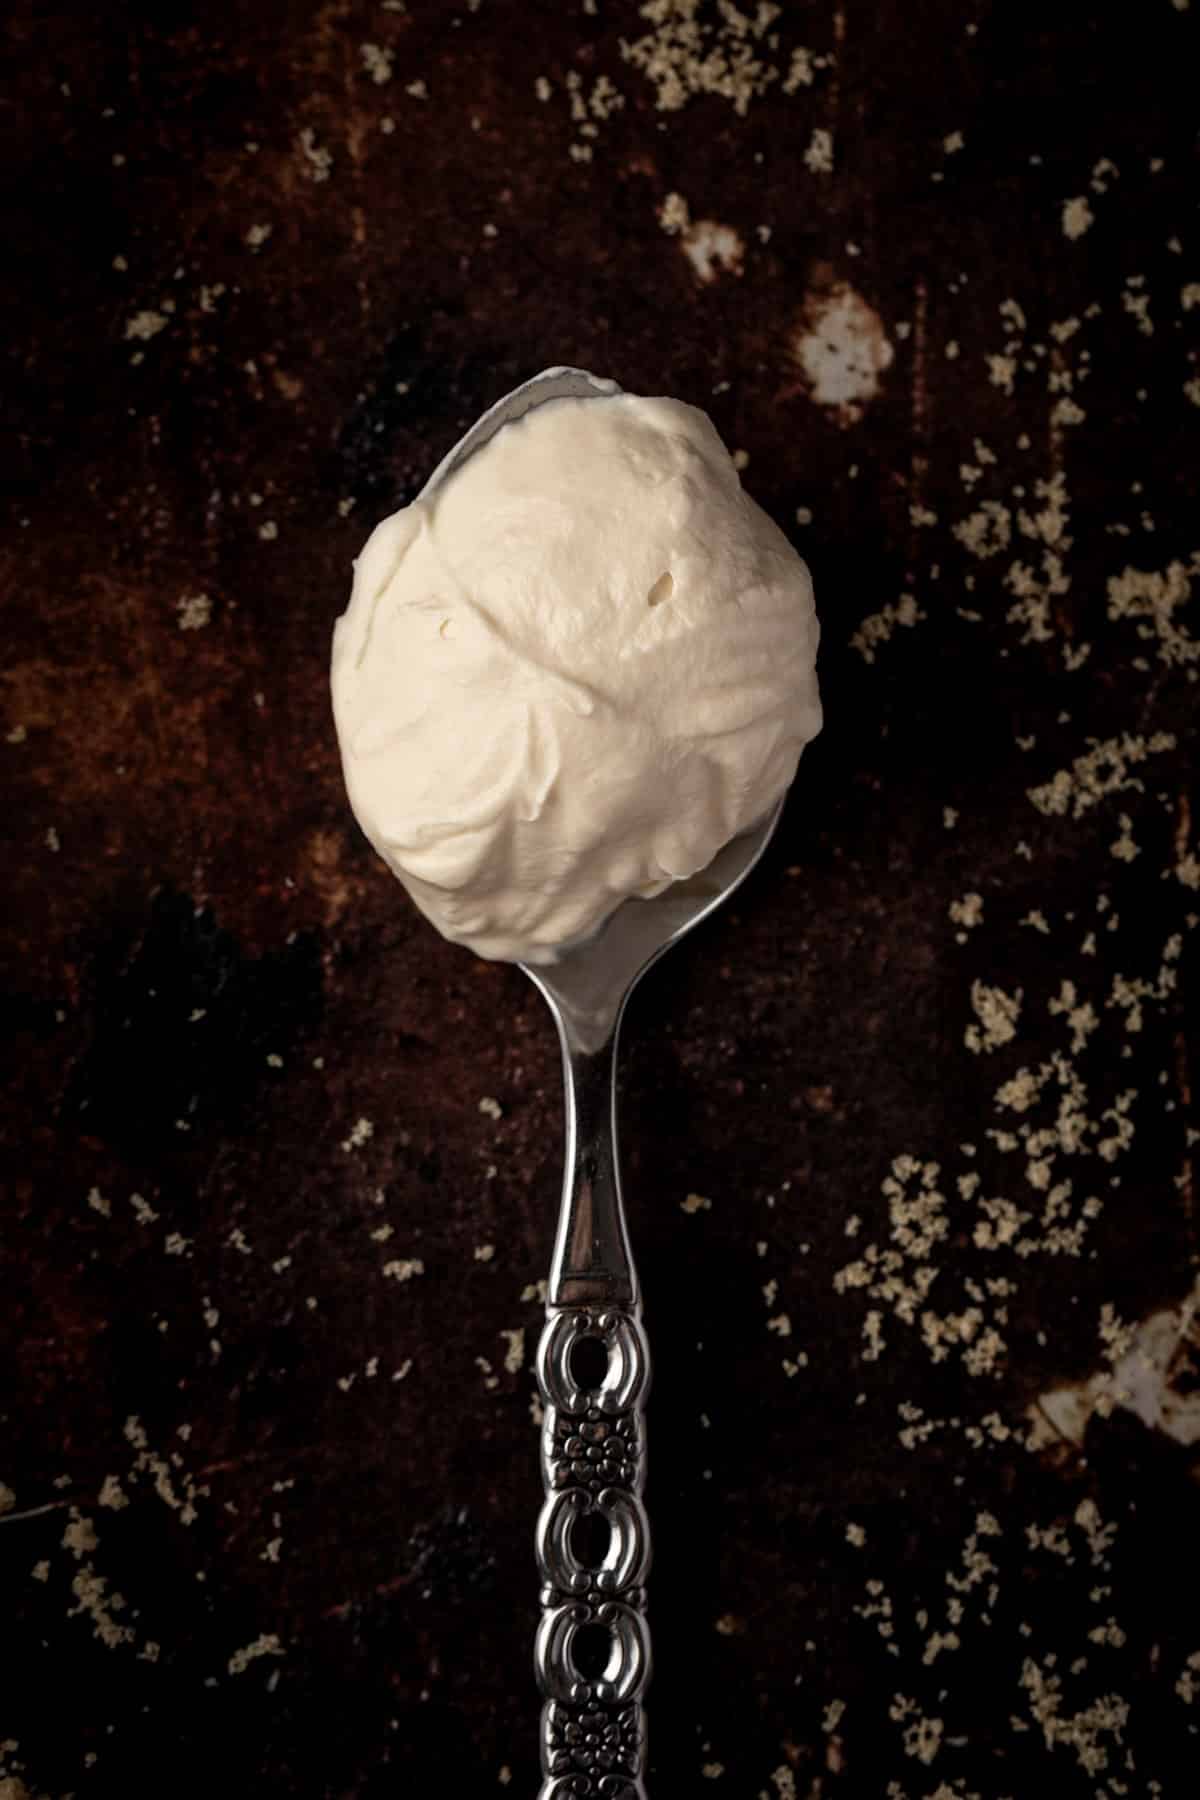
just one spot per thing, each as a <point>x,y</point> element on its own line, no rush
<point>571,672</point>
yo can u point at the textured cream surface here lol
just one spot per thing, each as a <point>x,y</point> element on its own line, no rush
<point>572,672</point>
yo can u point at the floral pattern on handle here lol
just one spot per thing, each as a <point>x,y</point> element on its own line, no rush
<point>594,1469</point>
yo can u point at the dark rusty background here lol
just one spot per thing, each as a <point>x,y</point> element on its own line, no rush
<point>266,1512</point>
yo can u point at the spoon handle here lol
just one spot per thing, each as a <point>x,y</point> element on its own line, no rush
<point>592,1651</point>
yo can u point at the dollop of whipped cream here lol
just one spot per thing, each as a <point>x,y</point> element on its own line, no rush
<point>571,672</point>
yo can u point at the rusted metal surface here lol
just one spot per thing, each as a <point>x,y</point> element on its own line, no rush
<point>268,1458</point>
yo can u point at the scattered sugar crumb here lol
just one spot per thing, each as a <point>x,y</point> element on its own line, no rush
<point>987,531</point>
<point>1100,771</point>
<point>195,611</point>
<point>1001,372</point>
<point>801,70</point>
<point>1077,216</point>
<point>967,912</point>
<point>145,325</point>
<point>1136,302</point>
<point>684,55</point>
<point>361,1132</point>
<point>377,62</point>
<point>1153,599</point>
<point>997,1013</point>
<point>674,215</point>
<point>1123,847</point>
<point>877,628</point>
<point>318,161</point>
<point>710,247</point>
<point>267,1644</point>
<point>819,155</point>
<point>111,1494</point>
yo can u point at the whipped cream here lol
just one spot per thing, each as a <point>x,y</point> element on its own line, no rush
<point>571,672</point>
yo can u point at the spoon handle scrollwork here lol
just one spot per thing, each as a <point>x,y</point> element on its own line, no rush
<point>593,1605</point>
<point>592,1651</point>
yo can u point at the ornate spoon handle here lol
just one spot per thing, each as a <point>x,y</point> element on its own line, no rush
<point>593,1468</point>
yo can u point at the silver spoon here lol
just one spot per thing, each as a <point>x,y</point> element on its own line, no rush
<point>593,1738</point>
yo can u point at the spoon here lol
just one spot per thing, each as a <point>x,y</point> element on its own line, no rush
<point>592,1650</point>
